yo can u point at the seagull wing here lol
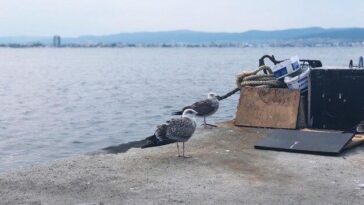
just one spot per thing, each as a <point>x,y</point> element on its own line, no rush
<point>203,107</point>
<point>159,138</point>
<point>180,129</point>
<point>161,131</point>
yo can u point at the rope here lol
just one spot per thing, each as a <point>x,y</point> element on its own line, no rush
<point>255,80</point>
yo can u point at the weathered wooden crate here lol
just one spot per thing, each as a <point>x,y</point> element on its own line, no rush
<point>268,107</point>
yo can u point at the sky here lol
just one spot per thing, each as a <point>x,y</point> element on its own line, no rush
<point>71,18</point>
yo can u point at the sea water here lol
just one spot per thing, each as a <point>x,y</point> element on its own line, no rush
<point>60,102</point>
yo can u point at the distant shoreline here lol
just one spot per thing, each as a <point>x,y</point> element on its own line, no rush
<point>186,46</point>
<point>294,37</point>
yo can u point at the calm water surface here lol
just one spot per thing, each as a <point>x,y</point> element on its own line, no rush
<point>56,103</point>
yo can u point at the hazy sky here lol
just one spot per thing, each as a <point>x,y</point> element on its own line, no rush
<point>78,17</point>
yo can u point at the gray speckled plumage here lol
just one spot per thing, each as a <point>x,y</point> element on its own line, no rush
<point>161,131</point>
<point>180,129</point>
<point>174,130</point>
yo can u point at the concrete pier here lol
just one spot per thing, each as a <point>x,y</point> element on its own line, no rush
<point>224,169</point>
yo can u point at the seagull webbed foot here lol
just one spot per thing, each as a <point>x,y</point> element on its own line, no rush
<point>211,125</point>
<point>208,125</point>
<point>185,156</point>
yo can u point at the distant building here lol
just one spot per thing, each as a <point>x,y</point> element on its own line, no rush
<point>56,41</point>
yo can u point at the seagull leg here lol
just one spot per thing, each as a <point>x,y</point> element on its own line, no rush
<point>205,125</point>
<point>183,151</point>
<point>178,150</point>
<point>204,122</point>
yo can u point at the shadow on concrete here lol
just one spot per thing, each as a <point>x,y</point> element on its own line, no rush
<point>122,148</point>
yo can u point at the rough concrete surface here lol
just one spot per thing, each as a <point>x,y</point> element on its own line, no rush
<point>224,169</point>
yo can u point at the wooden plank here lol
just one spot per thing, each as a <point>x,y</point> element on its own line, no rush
<point>268,107</point>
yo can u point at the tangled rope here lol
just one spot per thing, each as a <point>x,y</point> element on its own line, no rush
<point>258,80</point>
<point>255,80</point>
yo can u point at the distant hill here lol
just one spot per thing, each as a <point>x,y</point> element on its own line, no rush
<point>196,37</point>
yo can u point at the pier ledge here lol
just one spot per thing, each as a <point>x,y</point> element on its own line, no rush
<point>224,169</point>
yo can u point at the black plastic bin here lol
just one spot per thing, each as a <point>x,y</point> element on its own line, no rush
<point>336,98</point>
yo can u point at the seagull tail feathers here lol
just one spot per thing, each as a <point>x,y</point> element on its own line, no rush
<point>153,141</point>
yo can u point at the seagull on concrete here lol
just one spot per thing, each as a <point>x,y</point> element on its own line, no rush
<point>174,131</point>
<point>204,108</point>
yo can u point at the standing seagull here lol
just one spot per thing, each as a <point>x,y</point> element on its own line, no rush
<point>204,108</point>
<point>175,130</point>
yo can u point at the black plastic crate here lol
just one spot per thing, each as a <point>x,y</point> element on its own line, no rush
<point>336,98</point>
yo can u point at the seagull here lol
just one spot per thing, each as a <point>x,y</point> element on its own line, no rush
<point>174,131</point>
<point>204,108</point>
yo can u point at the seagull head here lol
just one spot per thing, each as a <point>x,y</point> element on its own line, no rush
<point>190,113</point>
<point>211,95</point>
